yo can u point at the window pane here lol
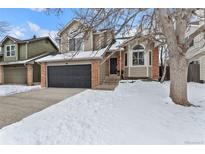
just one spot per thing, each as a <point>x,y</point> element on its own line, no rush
<point>141,61</point>
<point>125,59</point>
<point>150,58</point>
<point>135,58</point>
<point>13,53</point>
<point>8,48</point>
<point>141,54</point>
<point>71,44</point>
<point>8,53</point>
<point>79,44</point>
<point>12,47</point>
<point>138,47</point>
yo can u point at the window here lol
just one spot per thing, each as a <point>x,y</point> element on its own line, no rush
<point>125,59</point>
<point>150,58</point>
<point>10,50</point>
<point>192,43</point>
<point>75,44</point>
<point>138,55</point>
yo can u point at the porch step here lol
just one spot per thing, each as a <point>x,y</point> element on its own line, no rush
<point>109,83</point>
<point>106,87</point>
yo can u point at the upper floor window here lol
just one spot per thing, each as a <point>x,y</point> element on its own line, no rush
<point>10,50</point>
<point>76,44</point>
<point>138,55</point>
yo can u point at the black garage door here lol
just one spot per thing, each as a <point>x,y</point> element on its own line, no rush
<point>69,76</point>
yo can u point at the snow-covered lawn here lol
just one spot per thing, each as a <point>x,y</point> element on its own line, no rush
<point>135,113</point>
<point>6,90</point>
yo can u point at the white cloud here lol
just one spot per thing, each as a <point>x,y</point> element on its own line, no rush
<point>37,30</point>
<point>17,32</point>
<point>38,9</point>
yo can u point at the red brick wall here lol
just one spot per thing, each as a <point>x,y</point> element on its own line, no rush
<point>43,75</point>
<point>95,74</point>
<point>29,74</point>
<point>1,74</point>
<point>155,64</point>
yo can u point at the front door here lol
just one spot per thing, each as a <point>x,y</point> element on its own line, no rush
<point>113,65</point>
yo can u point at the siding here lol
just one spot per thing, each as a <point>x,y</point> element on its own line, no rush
<point>202,68</point>
<point>39,47</point>
<point>138,71</point>
<point>22,51</point>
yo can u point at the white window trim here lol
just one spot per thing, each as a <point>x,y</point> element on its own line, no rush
<point>10,50</point>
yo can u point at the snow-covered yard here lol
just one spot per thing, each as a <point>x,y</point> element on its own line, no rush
<point>135,113</point>
<point>6,90</point>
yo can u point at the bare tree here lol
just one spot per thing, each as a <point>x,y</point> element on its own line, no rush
<point>4,27</point>
<point>165,26</point>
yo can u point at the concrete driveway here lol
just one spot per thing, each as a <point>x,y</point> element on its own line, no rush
<point>16,107</point>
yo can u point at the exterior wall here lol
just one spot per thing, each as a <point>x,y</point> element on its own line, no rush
<point>122,61</point>
<point>87,39</point>
<point>29,74</point>
<point>101,39</point>
<point>43,75</point>
<point>202,68</point>
<point>22,52</point>
<point>155,64</point>
<point>1,74</point>
<point>39,47</point>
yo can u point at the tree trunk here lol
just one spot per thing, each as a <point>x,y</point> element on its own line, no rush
<point>178,77</point>
<point>164,72</point>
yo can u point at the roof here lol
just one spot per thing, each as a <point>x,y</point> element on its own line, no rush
<point>24,61</point>
<point>30,40</point>
<point>117,44</point>
<point>78,55</point>
<point>67,25</point>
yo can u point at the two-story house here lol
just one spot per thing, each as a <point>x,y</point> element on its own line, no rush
<point>17,59</point>
<point>87,59</point>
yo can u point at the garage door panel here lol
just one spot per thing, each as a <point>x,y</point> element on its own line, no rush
<point>15,75</point>
<point>70,76</point>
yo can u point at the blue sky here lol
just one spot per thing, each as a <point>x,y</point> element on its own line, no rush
<point>24,23</point>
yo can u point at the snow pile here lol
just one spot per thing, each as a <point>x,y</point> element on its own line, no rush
<point>6,90</point>
<point>135,113</point>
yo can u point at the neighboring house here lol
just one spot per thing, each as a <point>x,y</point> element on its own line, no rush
<point>85,60</point>
<point>17,59</point>
<point>196,52</point>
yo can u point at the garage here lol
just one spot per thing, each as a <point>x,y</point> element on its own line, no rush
<point>15,74</point>
<point>69,76</point>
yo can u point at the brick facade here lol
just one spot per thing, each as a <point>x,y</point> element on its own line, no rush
<point>29,74</point>
<point>1,74</point>
<point>155,64</point>
<point>43,75</point>
<point>95,74</point>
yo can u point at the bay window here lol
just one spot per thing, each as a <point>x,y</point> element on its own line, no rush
<point>138,55</point>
